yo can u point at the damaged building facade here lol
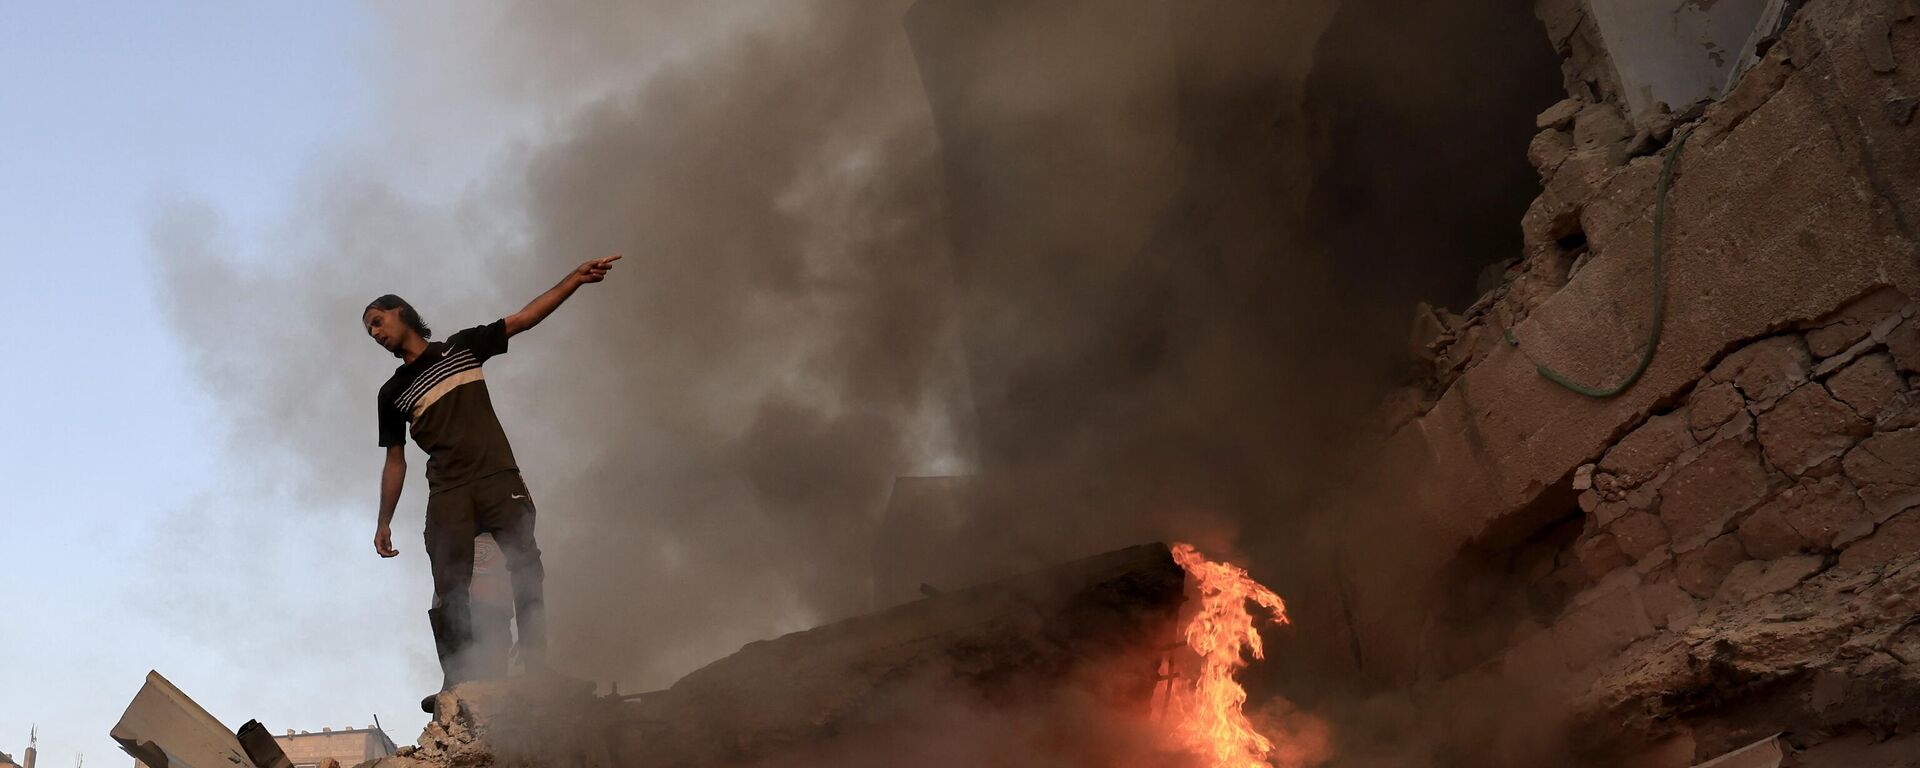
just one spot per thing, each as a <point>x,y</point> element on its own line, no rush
<point>1726,550</point>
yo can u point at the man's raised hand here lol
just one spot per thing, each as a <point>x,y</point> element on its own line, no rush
<point>595,270</point>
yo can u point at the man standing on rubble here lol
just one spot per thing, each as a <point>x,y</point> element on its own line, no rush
<point>473,484</point>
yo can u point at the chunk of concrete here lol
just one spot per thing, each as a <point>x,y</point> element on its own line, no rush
<point>1886,469</point>
<point>1766,369</point>
<point>1765,753</point>
<point>1706,494</point>
<point>1711,406</point>
<point>1808,427</point>
<point>1871,387</point>
<point>1638,533</point>
<point>164,728</point>
<point>1700,572</point>
<point>1644,452</point>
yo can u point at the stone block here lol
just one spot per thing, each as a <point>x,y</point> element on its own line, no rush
<point>1599,555</point>
<point>1667,605</point>
<point>1871,387</point>
<point>1903,345</point>
<point>1766,369</point>
<point>1706,494</point>
<point>1711,406</point>
<point>1820,511</point>
<point>1852,323</point>
<point>1558,116</point>
<point>1807,427</point>
<point>1600,126</point>
<point>1700,572</point>
<point>1601,627</point>
<point>1766,534</point>
<point>1886,470</point>
<point>1758,578</point>
<point>1895,539</point>
<point>1638,533</point>
<point>1647,450</point>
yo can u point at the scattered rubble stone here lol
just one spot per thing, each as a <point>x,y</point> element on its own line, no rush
<point>1872,387</point>
<point>1700,572</point>
<point>1766,369</point>
<point>1646,451</point>
<point>1886,470</point>
<point>1583,477</point>
<point>1900,109</point>
<point>1876,43</point>
<point>1558,116</point>
<point>1711,406</point>
<point>1548,150</point>
<point>1807,427</point>
<point>1600,126</point>
<point>1706,494</point>
<point>1638,534</point>
<point>1903,344</point>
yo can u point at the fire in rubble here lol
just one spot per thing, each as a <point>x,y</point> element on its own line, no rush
<point>1206,713</point>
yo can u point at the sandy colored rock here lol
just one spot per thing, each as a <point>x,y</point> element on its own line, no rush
<point>1668,605</point>
<point>1808,427</point>
<point>1886,470</point>
<point>1766,534</point>
<point>1548,150</point>
<point>1758,578</point>
<point>1638,533</point>
<point>1646,451</point>
<point>1766,369</point>
<point>1711,406</point>
<point>1599,555</point>
<point>1706,494</point>
<point>1871,387</point>
<point>1897,539</point>
<point>1852,323</point>
<point>1903,345</point>
<point>1700,572</point>
<point>1558,116</point>
<point>1600,126</point>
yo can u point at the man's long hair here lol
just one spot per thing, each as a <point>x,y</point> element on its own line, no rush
<point>407,313</point>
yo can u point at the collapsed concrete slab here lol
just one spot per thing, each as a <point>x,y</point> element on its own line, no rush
<point>1088,635</point>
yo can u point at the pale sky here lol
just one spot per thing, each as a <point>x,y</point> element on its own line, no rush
<point>124,500</point>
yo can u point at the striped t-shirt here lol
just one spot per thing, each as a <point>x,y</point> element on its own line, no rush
<point>443,395</point>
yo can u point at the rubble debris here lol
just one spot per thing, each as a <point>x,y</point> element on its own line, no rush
<point>998,643</point>
<point>1765,753</point>
<point>164,728</point>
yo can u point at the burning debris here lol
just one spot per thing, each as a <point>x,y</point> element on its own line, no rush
<point>1082,665</point>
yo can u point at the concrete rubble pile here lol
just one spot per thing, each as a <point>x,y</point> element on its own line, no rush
<point>1730,548</point>
<point>1097,626</point>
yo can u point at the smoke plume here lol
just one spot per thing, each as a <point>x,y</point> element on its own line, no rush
<point>860,245</point>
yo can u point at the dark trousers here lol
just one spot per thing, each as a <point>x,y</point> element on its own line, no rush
<point>498,504</point>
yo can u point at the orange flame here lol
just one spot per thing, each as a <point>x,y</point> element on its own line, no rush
<point>1209,718</point>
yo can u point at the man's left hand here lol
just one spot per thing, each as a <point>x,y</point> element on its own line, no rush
<point>594,270</point>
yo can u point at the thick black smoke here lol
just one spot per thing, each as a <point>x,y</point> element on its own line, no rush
<point>1063,246</point>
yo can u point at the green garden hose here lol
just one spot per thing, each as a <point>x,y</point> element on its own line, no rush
<point>1659,292</point>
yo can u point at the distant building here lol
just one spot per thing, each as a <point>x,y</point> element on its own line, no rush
<point>348,747</point>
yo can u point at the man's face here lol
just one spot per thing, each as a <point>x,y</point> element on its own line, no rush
<point>386,328</point>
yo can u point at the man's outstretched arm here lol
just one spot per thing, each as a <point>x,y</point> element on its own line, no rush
<point>392,476</point>
<point>590,272</point>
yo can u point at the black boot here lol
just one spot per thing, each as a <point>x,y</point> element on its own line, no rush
<point>452,634</point>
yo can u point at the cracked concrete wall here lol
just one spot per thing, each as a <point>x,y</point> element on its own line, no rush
<point>1737,519</point>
